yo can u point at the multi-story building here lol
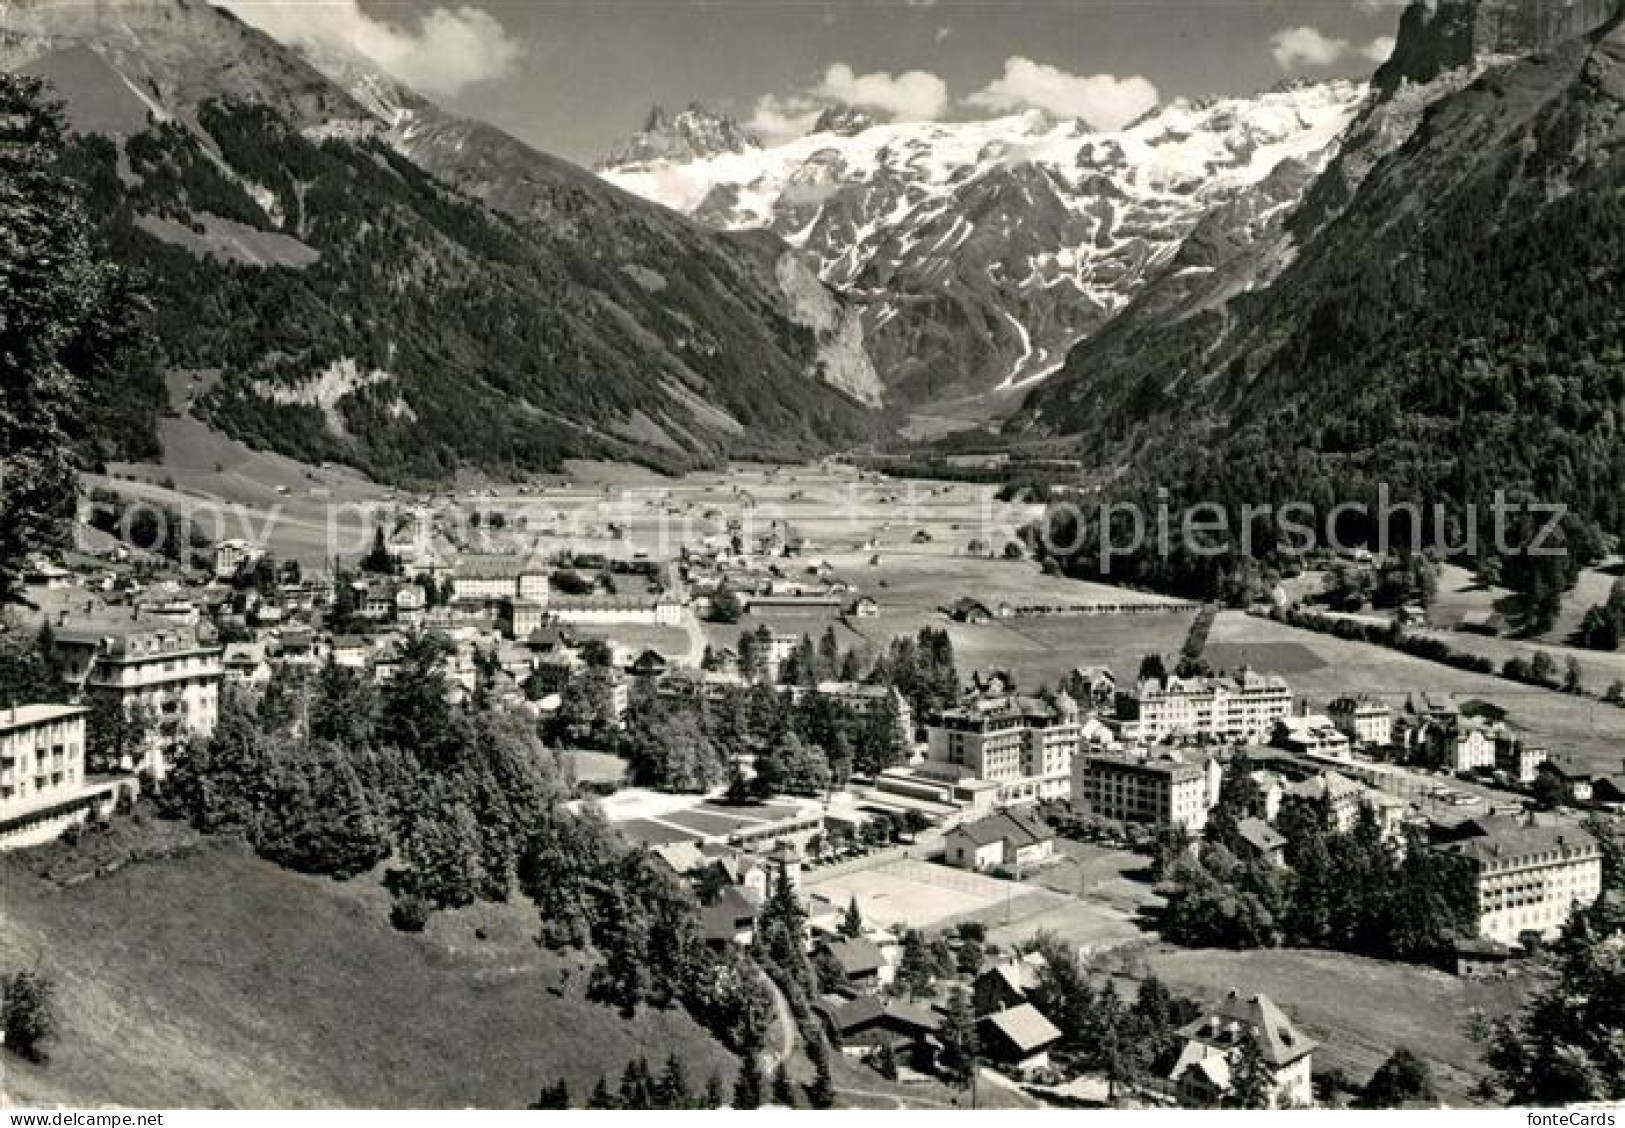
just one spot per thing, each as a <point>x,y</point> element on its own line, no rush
<point>1530,878</point>
<point>1520,759</point>
<point>1367,723</point>
<point>231,555</point>
<point>1161,792</point>
<point>164,676</point>
<point>605,609</point>
<point>1468,745</point>
<point>492,577</point>
<point>42,772</point>
<point>1025,744</point>
<point>1205,1071</point>
<point>525,617</point>
<point>1245,707</point>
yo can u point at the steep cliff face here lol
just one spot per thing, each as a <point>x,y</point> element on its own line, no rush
<point>1436,36</point>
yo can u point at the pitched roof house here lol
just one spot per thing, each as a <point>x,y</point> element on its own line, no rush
<point>1214,1043</point>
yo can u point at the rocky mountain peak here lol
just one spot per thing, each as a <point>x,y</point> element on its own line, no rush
<point>848,121</point>
<point>693,134</point>
<point>1436,36</point>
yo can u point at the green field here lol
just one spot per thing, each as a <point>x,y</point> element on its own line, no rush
<point>215,979</point>
<point>1360,1010</point>
<point>1322,668</point>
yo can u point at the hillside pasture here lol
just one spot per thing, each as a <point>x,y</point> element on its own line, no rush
<point>215,979</point>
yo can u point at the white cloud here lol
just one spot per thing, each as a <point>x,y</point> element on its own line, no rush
<point>777,119</point>
<point>1306,47</point>
<point>1379,49</point>
<point>911,96</point>
<point>1105,101</point>
<point>442,52</point>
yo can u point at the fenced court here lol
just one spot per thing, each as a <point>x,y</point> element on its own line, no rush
<point>919,894</point>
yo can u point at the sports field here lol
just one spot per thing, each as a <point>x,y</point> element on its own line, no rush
<point>918,894</point>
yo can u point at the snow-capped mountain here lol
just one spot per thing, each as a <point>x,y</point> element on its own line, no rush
<point>692,135</point>
<point>982,250</point>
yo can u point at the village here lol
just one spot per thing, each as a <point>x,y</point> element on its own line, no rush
<point>961,838</point>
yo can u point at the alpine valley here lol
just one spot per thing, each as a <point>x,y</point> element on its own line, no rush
<point>981,251</point>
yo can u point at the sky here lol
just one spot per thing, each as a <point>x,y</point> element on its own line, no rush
<point>573,77</point>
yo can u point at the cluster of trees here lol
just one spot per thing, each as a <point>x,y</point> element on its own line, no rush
<point>1391,635</point>
<point>1408,578</point>
<point>798,749</point>
<point>148,525</point>
<point>69,339</point>
<point>29,1016</point>
<point>333,775</point>
<point>595,891</point>
<point>1099,1028</point>
<point>1604,624</point>
<point>29,671</point>
<point>1356,891</point>
<point>1541,669</point>
<point>640,1089</point>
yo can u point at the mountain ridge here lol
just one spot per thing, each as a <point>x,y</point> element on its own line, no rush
<point>505,309</point>
<point>980,251</point>
<point>1445,323</point>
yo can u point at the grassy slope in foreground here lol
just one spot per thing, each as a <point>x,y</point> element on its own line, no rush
<point>1360,1010</point>
<point>215,979</point>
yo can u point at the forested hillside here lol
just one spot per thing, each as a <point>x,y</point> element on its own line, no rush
<point>343,303</point>
<point>1456,331</point>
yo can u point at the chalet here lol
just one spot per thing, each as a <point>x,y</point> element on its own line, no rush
<point>730,919</point>
<point>1006,985</point>
<point>651,664</point>
<point>1019,1038</point>
<point>1573,776</point>
<point>860,961</point>
<point>864,607</point>
<point>377,601</point>
<point>1204,1073</point>
<point>410,603</point>
<point>968,610</point>
<point>1261,841</point>
<point>1094,686</point>
<point>859,1025</point>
